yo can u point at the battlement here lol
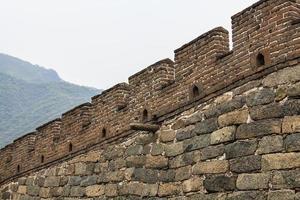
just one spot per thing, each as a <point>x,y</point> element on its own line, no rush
<point>264,36</point>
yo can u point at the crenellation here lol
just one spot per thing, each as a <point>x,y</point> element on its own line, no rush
<point>265,39</point>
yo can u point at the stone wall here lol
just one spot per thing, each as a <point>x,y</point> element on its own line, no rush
<point>243,144</point>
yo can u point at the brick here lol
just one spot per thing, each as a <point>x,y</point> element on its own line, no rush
<point>245,164</point>
<point>211,167</point>
<point>258,128</point>
<point>225,134</point>
<point>280,161</point>
<point>270,144</point>
<point>253,181</point>
<point>240,148</point>
<point>234,118</point>
<point>291,124</point>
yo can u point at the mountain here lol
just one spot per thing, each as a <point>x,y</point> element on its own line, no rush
<point>31,95</point>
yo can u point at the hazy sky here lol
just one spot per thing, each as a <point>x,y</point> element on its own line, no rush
<point>100,43</point>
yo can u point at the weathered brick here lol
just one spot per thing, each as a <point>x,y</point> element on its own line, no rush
<point>211,167</point>
<point>240,148</point>
<point>280,161</point>
<point>258,128</point>
<point>234,118</point>
<point>225,134</point>
<point>185,159</point>
<point>253,181</point>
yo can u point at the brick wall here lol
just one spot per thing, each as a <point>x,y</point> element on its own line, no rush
<point>243,144</point>
<point>265,39</point>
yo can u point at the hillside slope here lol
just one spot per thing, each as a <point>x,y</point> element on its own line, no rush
<point>31,96</point>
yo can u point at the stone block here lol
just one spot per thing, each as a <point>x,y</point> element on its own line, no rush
<point>77,191</point>
<point>196,142</point>
<point>135,161</point>
<point>145,175</point>
<point>33,190</point>
<point>241,148</point>
<point>44,193</point>
<point>273,110</point>
<point>281,194</point>
<point>167,135</point>
<point>134,150</point>
<point>115,176</point>
<point>255,195</point>
<point>225,134</point>
<point>183,173</point>
<point>156,162</point>
<point>52,181</point>
<point>111,190</point>
<point>280,161</point>
<point>185,159</point>
<point>245,164</point>
<point>169,189</point>
<point>260,97</point>
<point>74,180</point>
<point>206,126</point>
<point>258,128</point>
<point>88,180</point>
<point>175,149</point>
<point>292,142</point>
<point>157,149</point>
<point>166,175</point>
<point>286,179</point>
<point>234,118</point>
<point>211,167</point>
<point>253,181</point>
<point>22,189</point>
<point>219,183</point>
<point>212,152</point>
<point>185,133</point>
<point>95,190</point>
<point>192,185</point>
<point>270,144</point>
<point>291,124</point>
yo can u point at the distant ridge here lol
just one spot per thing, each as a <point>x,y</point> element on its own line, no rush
<point>31,95</point>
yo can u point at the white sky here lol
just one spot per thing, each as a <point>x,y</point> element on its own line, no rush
<point>100,43</point>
